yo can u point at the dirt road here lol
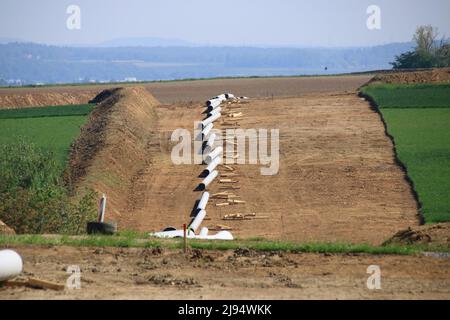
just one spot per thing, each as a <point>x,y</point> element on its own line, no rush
<point>337,178</point>
<point>112,273</point>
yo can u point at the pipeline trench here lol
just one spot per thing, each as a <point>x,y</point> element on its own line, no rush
<point>337,178</point>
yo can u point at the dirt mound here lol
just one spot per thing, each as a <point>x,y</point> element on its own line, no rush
<point>105,94</point>
<point>438,234</point>
<point>26,100</point>
<point>414,77</point>
<point>4,229</point>
<point>110,150</point>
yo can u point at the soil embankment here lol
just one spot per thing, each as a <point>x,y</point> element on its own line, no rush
<point>435,234</point>
<point>414,77</point>
<point>42,99</point>
<point>110,150</point>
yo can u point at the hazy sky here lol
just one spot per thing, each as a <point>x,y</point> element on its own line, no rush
<point>229,22</point>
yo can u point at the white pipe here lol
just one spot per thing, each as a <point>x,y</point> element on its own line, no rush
<point>212,107</point>
<point>10,264</point>
<point>203,201</point>
<point>210,143</point>
<point>203,232</point>
<point>207,130</point>
<point>210,120</point>
<point>216,161</point>
<point>197,220</point>
<point>215,111</point>
<point>222,235</point>
<point>229,95</point>
<point>173,234</point>
<point>208,179</point>
<point>213,103</point>
<point>101,214</point>
<point>213,154</point>
<point>221,97</point>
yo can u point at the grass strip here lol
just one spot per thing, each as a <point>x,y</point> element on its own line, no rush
<point>130,241</point>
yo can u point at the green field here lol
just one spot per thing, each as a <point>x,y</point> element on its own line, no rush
<point>34,149</point>
<point>418,117</point>
<point>410,96</point>
<point>50,128</point>
<point>51,111</point>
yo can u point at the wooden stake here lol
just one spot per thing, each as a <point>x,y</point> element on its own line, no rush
<point>184,238</point>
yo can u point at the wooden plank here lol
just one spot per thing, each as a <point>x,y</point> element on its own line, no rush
<point>43,284</point>
<point>222,204</point>
<point>34,283</point>
<point>228,181</point>
<point>229,187</point>
<point>220,228</point>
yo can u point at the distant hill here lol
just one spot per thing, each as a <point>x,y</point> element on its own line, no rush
<point>145,42</point>
<point>4,40</point>
<point>28,63</point>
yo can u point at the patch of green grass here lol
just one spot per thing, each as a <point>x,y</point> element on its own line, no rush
<point>53,134</point>
<point>418,118</point>
<point>51,111</point>
<point>422,137</point>
<point>79,241</point>
<point>409,96</point>
<point>129,240</point>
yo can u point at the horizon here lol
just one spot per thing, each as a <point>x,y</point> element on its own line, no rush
<point>103,45</point>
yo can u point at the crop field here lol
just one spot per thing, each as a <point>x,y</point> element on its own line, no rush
<point>50,128</point>
<point>410,96</point>
<point>418,117</point>
<point>50,111</point>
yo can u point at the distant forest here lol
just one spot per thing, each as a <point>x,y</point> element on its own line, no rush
<point>29,63</point>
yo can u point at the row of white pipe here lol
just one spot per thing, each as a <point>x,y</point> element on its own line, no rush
<point>213,159</point>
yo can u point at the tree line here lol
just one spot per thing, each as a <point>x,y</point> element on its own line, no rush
<point>429,52</point>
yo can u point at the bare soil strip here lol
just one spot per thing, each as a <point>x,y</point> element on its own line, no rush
<point>184,91</point>
<point>338,180</point>
<point>113,273</point>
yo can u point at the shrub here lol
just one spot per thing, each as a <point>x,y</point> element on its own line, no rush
<point>33,198</point>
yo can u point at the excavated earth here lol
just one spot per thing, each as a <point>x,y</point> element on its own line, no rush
<point>438,75</point>
<point>121,273</point>
<point>337,180</point>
